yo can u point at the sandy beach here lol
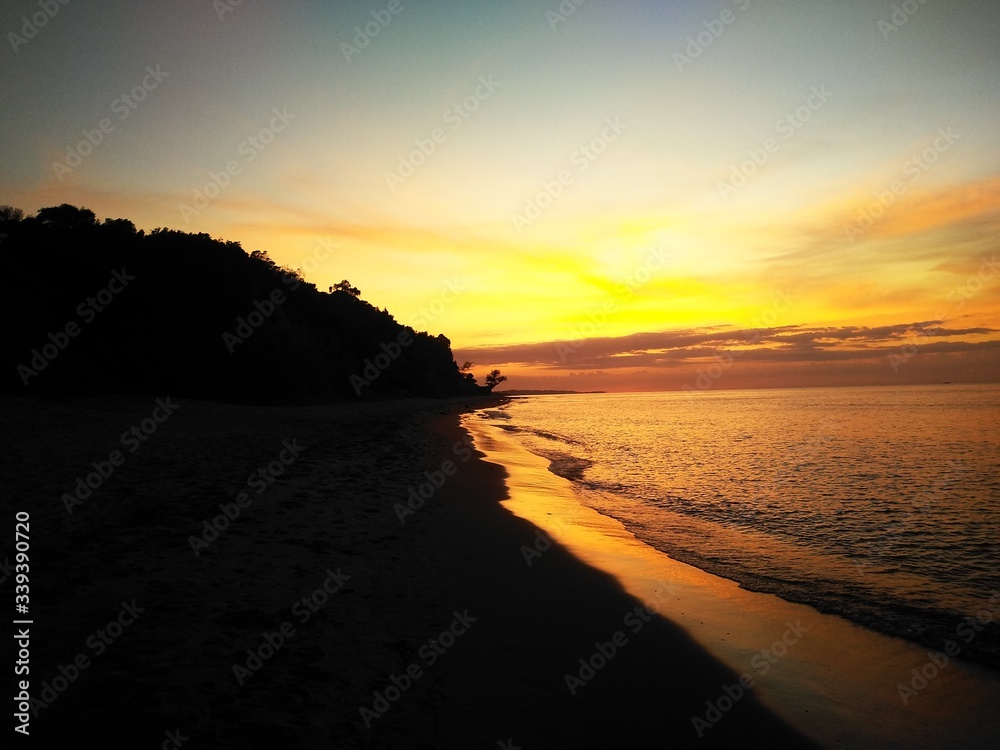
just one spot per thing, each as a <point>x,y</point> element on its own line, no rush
<point>336,576</point>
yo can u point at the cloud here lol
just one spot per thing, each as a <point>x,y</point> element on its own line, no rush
<point>959,207</point>
<point>953,225</point>
<point>792,343</point>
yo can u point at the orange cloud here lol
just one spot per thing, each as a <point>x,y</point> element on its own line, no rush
<point>956,205</point>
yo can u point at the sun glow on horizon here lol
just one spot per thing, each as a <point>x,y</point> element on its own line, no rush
<point>524,184</point>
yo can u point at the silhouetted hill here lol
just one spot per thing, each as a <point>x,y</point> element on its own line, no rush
<point>99,308</point>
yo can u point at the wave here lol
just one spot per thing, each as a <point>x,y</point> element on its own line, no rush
<point>871,607</point>
<point>873,527</point>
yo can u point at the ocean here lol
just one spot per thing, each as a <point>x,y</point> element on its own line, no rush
<point>879,504</point>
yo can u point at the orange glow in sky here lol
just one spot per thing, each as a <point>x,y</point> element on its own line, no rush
<point>615,199</point>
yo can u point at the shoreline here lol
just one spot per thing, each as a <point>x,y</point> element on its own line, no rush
<point>648,687</point>
<point>838,683</point>
<point>318,615</point>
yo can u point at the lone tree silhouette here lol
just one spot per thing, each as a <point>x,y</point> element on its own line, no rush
<point>345,286</point>
<point>494,379</point>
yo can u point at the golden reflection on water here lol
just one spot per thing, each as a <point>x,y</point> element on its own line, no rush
<point>837,682</point>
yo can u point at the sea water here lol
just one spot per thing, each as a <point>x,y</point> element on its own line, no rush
<point>878,504</point>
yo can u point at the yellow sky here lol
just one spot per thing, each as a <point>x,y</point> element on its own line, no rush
<point>484,173</point>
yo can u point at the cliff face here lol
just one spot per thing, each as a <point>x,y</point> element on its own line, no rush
<point>100,308</point>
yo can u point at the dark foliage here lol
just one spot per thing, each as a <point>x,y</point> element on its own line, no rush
<point>494,379</point>
<point>164,332</point>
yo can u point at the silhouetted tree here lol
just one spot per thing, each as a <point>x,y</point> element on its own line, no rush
<point>466,373</point>
<point>345,286</point>
<point>120,226</point>
<point>67,217</point>
<point>494,379</point>
<point>9,213</point>
<point>263,257</point>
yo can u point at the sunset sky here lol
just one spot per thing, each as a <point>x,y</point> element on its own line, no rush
<point>622,195</point>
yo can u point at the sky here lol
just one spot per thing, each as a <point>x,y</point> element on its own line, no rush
<point>590,195</point>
